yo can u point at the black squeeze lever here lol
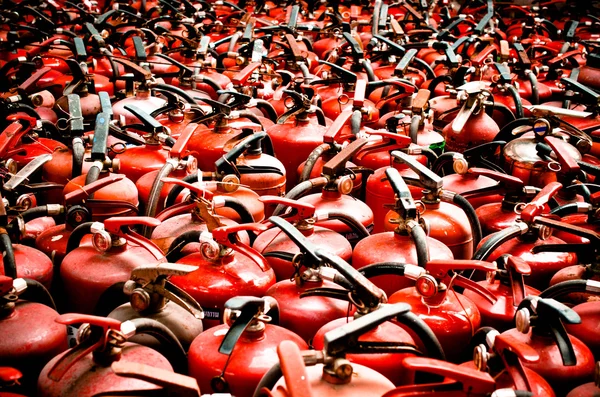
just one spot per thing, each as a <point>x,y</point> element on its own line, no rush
<point>546,317</point>
<point>149,123</point>
<point>345,77</point>
<point>588,96</point>
<point>346,339</point>
<point>335,167</point>
<point>405,205</point>
<point>363,289</point>
<point>226,165</point>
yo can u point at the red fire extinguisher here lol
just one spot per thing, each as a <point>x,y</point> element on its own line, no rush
<point>461,231</point>
<point>78,208</point>
<point>588,389</point>
<point>588,311</point>
<point>149,294</point>
<point>304,315</point>
<point>28,312</point>
<point>10,378</point>
<point>502,292</point>
<point>330,371</point>
<point>334,196</point>
<point>408,243</point>
<point>87,271</point>
<point>198,213</point>
<point>279,249</point>
<point>565,361</point>
<point>235,356</point>
<point>227,268</point>
<point>452,317</point>
<point>502,356</point>
<point>471,126</point>
<point>525,239</point>
<point>84,370</point>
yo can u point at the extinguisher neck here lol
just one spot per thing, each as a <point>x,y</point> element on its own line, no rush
<point>437,299</point>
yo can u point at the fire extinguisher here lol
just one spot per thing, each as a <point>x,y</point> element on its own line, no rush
<point>459,381</point>
<point>151,188</point>
<point>331,371</point>
<point>235,356</point>
<point>304,315</point>
<point>502,292</point>
<point>227,268</point>
<point>84,370</point>
<point>565,361</point>
<point>588,311</point>
<point>195,215</point>
<point>150,294</point>
<point>366,297</point>
<point>87,271</point>
<point>471,126</point>
<point>78,208</point>
<point>122,190</point>
<point>588,389</point>
<point>334,196</point>
<point>28,312</point>
<point>461,231</point>
<point>298,131</point>
<point>279,249</point>
<point>408,242</point>
<point>456,317</point>
<point>525,239</point>
<point>502,356</point>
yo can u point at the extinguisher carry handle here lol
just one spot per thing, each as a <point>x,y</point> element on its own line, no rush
<point>300,210</point>
<point>75,114</point>
<point>227,162</point>
<point>101,129</point>
<point>334,168</point>
<point>536,206</point>
<point>83,192</point>
<point>105,323</point>
<point>138,71</point>
<point>12,134</point>
<point>9,375</point>
<point>427,178</point>
<point>439,268</point>
<point>222,236</point>
<point>472,380</point>
<point>359,94</point>
<point>149,123</point>
<point>589,96</point>
<point>567,162</point>
<point>336,127</point>
<point>307,248</point>
<point>345,76</point>
<point>180,145</point>
<point>241,77</point>
<point>507,342</point>
<point>25,172</point>
<point>511,183</point>
<point>504,73</point>
<point>420,101</point>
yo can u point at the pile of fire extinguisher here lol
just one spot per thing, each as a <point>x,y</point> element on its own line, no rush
<point>303,198</point>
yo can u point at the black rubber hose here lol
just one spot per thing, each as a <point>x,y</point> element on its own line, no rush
<point>424,333</point>
<point>154,195</point>
<point>174,251</point>
<point>567,209</point>
<point>92,175</point>
<point>441,161</point>
<point>267,109</point>
<point>21,107</point>
<point>514,93</point>
<point>495,240</point>
<point>251,116</point>
<point>428,70</point>
<point>172,350</point>
<point>564,288</point>
<point>420,239</point>
<point>268,380</point>
<point>535,92</point>
<point>383,269</point>
<point>111,298</point>
<point>300,190</point>
<point>8,256</point>
<point>312,159</point>
<point>212,83</point>
<point>320,117</point>
<point>350,221</point>
<point>414,128</point>
<point>177,189</point>
<point>430,154</point>
<point>77,234</point>
<point>582,189</point>
<point>589,168</point>
<point>464,204</point>
<point>34,213</point>
<point>239,207</point>
<point>36,292</point>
